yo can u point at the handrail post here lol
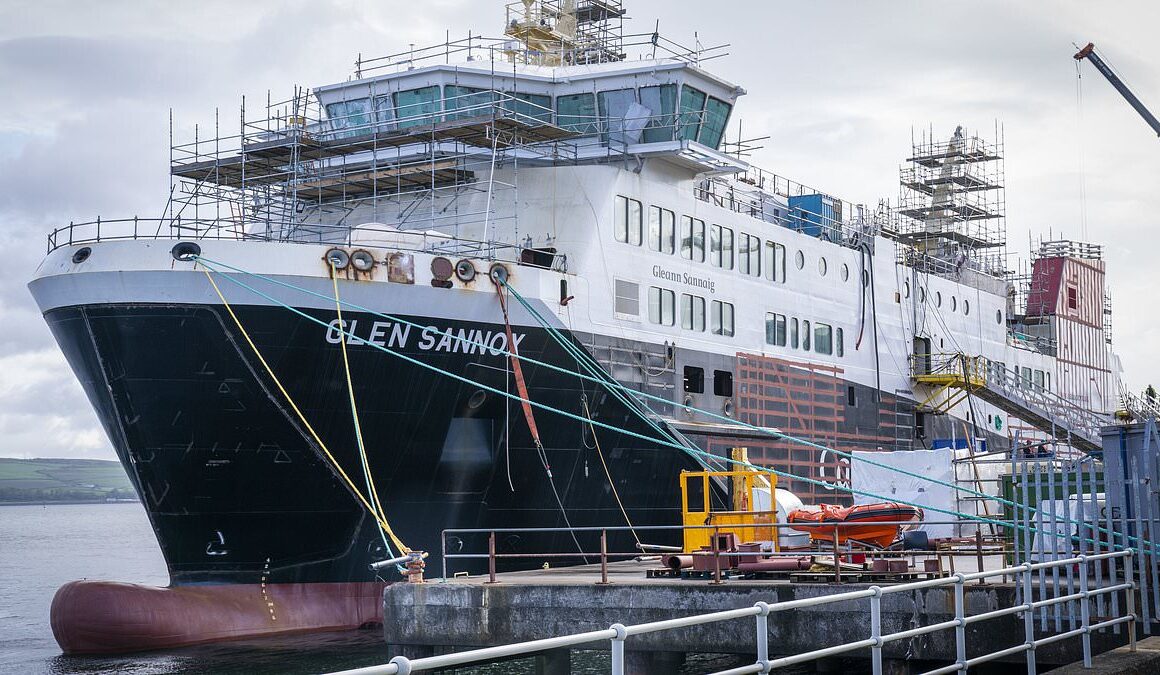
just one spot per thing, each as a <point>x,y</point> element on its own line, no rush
<point>491,557</point>
<point>1028,620</point>
<point>604,557</point>
<point>716,558</point>
<point>1130,600</point>
<point>876,630</point>
<point>979,551</point>
<point>618,648</point>
<point>961,621</point>
<point>837,559</point>
<point>1084,612</point>
<point>763,636</point>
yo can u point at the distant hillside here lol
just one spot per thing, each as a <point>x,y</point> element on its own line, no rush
<point>63,480</point>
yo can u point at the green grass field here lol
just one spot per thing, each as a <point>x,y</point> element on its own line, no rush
<point>35,480</point>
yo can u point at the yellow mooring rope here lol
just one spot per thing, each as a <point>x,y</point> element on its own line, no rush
<point>314,434</point>
<point>362,450</point>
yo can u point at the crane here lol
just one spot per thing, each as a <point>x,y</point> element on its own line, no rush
<point>1089,53</point>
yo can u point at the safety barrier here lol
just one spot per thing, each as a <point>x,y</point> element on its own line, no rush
<point>618,634</point>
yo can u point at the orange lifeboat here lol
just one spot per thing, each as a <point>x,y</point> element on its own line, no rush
<point>863,524</point>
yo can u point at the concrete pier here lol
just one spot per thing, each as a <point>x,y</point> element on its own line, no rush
<point>467,613</point>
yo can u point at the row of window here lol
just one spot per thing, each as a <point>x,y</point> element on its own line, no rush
<point>938,299</point>
<point>628,227</point>
<point>662,310</point>
<point>782,331</point>
<point>1030,378</point>
<point>695,116</point>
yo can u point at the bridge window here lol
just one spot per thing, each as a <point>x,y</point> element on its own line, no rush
<point>713,128</point>
<point>721,247</point>
<point>1039,380</point>
<point>692,239</point>
<point>722,319</point>
<point>354,116</point>
<point>627,224</point>
<point>416,107</point>
<point>577,112</point>
<point>692,312</point>
<point>533,106</point>
<point>691,113</point>
<point>660,229</point>
<point>627,298</point>
<point>468,101</point>
<point>661,306</point>
<point>385,113</point>
<point>662,104</point>
<point>775,329</point>
<point>805,335</point>
<point>614,110</point>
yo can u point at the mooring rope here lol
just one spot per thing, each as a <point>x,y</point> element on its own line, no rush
<point>667,443</point>
<point>382,523</point>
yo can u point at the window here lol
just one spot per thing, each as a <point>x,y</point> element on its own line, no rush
<point>998,316</point>
<point>1072,297</point>
<point>692,312</point>
<point>614,110</point>
<point>535,106</point>
<point>468,101</point>
<point>577,112</point>
<point>954,303</point>
<point>713,127</point>
<point>721,247</point>
<point>823,338</point>
<point>416,107</point>
<point>775,329</point>
<point>628,220</point>
<point>839,342</point>
<point>793,333</point>
<point>966,307</point>
<point>627,298</point>
<point>845,272</point>
<point>722,320</point>
<point>1025,375</point>
<point>822,267</point>
<point>350,118</point>
<point>722,383</point>
<point>692,239</point>
<point>662,104</point>
<point>694,381</point>
<point>851,397</point>
<point>385,113</point>
<point>774,262</point>
<point>800,259</point>
<point>938,298</point>
<point>661,306</point>
<point>691,112</point>
<point>660,229</point>
<point>805,335</point>
<point>1047,380</point>
<point>749,254</point>
<point>1039,380</point>
<point>906,289</point>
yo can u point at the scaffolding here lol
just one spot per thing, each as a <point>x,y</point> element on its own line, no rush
<point>952,204</point>
<point>566,32</point>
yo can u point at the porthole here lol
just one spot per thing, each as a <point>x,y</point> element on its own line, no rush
<point>82,254</point>
<point>845,272</point>
<point>938,298</point>
<point>906,289</point>
<point>822,267</point>
<point>954,304</point>
<point>921,294</point>
<point>966,307</point>
<point>801,260</point>
<point>465,270</point>
<point>865,278</point>
<point>998,316</point>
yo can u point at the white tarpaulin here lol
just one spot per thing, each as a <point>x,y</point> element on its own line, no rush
<point>891,485</point>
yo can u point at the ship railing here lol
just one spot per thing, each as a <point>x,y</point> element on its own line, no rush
<point>191,229</point>
<point>1065,596</point>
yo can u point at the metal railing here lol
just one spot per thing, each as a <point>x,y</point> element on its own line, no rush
<point>618,634</point>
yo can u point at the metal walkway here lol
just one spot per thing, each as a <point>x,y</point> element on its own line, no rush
<point>953,377</point>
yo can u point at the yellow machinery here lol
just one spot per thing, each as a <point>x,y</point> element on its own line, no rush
<point>951,377</point>
<point>746,523</point>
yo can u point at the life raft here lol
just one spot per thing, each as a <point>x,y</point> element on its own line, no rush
<point>873,525</point>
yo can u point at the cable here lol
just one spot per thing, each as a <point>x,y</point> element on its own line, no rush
<point>600,454</point>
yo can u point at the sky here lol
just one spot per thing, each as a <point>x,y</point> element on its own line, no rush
<point>837,86</point>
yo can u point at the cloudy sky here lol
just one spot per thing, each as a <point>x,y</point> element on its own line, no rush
<point>87,88</point>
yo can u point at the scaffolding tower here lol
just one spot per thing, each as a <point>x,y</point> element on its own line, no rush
<point>566,32</point>
<point>952,202</point>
